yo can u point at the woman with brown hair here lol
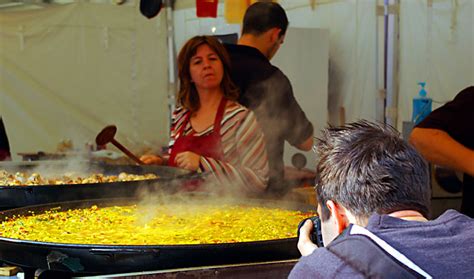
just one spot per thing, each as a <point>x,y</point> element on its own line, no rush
<point>210,131</point>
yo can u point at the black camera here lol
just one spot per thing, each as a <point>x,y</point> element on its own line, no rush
<point>316,236</point>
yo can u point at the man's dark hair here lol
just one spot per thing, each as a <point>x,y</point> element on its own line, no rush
<point>367,168</point>
<point>263,16</point>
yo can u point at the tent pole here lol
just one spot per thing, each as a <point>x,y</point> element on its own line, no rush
<point>172,67</point>
<point>380,61</point>
<point>392,8</point>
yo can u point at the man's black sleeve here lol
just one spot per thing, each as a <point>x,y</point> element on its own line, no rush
<point>297,127</point>
<point>455,117</point>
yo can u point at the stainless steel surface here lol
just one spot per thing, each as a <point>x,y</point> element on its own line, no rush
<point>273,269</point>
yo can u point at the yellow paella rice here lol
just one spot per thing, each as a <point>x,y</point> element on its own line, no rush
<point>28,179</point>
<point>167,224</point>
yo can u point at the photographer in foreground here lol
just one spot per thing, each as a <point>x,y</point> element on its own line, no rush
<point>373,201</point>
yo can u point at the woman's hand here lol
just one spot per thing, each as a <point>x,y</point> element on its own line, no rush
<point>188,160</point>
<point>151,159</point>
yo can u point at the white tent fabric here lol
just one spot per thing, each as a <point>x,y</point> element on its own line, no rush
<point>67,71</point>
<point>352,52</point>
<point>436,46</point>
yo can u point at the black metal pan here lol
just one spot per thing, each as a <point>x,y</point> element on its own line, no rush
<point>103,259</point>
<point>18,196</point>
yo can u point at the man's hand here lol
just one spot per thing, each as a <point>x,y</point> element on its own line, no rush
<point>151,159</point>
<point>188,160</point>
<point>306,145</point>
<point>305,245</point>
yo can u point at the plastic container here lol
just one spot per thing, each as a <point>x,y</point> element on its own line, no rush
<point>422,105</point>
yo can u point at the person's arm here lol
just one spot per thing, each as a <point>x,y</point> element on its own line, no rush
<point>298,130</point>
<point>441,149</point>
<point>249,167</point>
<point>151,159</point>
<point>307,145</point>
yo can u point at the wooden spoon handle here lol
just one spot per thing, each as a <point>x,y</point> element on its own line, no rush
<point>127,152</point>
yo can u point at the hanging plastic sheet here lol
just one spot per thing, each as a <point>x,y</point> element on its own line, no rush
<point>436,47</point>
<point>67,71</point>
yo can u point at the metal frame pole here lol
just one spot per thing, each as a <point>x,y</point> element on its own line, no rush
<point>172,67</point>
<point>391,11</point>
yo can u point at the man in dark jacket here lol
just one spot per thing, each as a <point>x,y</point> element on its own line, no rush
<point>266,90</point>
<point>373,200</point>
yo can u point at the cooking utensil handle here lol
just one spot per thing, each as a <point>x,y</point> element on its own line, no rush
<point>127,152</point>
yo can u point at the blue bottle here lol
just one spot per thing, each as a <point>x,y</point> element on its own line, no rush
<point>421,105</point>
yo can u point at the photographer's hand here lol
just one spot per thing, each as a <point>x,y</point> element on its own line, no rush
<point>305,245</point>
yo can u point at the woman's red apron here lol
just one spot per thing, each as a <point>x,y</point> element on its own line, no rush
<point>208,145</point>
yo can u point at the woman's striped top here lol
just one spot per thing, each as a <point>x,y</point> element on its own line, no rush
<point>245,164</point>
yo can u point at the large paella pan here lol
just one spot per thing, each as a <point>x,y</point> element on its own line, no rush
<point>163,179</point>
<point>197,249</point>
